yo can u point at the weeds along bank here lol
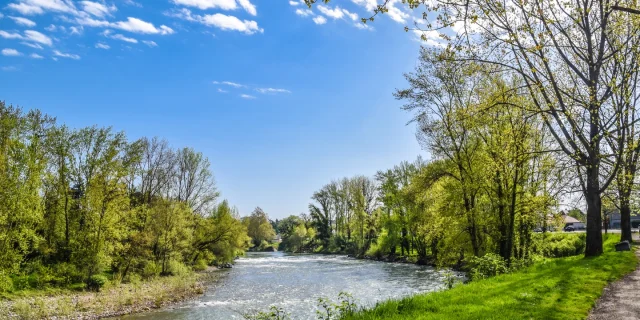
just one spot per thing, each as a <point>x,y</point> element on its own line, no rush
<point>112,300</point>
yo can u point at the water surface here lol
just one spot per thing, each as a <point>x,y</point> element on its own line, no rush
<point>295,282</point>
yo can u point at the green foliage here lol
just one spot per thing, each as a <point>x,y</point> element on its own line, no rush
<point>556,245</point>
<point>259,228</point>
<point>450,279</point>
<point>6,283</point>
<point>96,282</point>
<point>489,265</point>
<point>80,203</point>
<point>562,288</point>
<point>274,313</point>
<point>328,310</point>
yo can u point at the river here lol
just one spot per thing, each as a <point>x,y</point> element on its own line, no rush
<point>295,282</point>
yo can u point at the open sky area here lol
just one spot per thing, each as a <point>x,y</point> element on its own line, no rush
<point>281,98</point>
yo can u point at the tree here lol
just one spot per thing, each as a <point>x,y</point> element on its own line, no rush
<point>195,184</point>
<point>567,54</point>
<point>258,227</point>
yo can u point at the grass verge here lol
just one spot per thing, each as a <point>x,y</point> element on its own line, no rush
<point>561,288</point>
<point>111,301</point>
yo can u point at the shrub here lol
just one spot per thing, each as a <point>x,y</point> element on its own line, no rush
<point>487,266</point>
<point>151,270</point>
<point>274,313</point>
<point>6,284</point>
<point>374,251</point>
<point>66,274</point>
<point>96,282</point>
<point>560,245</point>
<point>200,265</point>
<point>177,268</point>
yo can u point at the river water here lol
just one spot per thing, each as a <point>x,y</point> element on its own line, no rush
<point>295,282</point>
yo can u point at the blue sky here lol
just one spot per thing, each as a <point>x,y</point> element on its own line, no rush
<point>282,99</point>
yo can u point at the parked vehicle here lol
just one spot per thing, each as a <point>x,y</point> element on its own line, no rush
<point>575,226</point>
<point>542,229</point>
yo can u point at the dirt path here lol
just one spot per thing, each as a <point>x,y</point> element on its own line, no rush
<point>620,300</point>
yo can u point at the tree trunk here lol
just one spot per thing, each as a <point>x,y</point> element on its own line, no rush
<point>625,219</point>
<point>594,213</point>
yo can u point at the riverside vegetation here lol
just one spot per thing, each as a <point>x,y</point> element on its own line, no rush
<point>86,209</point>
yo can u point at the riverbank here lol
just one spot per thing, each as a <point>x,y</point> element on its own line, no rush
<point>560,288</point>
<point>111,301</point>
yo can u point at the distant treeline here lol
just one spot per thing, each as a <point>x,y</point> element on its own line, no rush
<point>80,205</point>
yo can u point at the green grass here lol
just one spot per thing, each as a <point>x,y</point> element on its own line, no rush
<point>562,288</point>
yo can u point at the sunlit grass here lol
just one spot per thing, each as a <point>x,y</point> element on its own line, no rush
<point>562,288</point>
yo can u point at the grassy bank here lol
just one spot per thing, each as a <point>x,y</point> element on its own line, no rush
<point>561,288</point>
<point>113,300</point>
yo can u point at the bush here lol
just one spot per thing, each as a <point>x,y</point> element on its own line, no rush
<point>560,245</point>
<point>66,273</point>
<point>200,265</point>
<point>487,266</point>
<point>151,270</point>
<point>96,282</point>
<point>6,284</point>
<point>374,251</point>
<point>177,268</point>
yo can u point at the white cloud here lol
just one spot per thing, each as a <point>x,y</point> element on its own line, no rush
<point>363,26</point>
<point>25,8</point>
<point>98,9</point>
<point>332,13</point>
<point>38,37</point>
<point>100,45</point>
<point>29,35</point>
<point>429,37</point>
<point>51,28</point>
<point>29,7</point>
<point>132,3</point>
<point>320,20</point>
<point>9,68</point>
<point>294,3</point>
<point>229,83</point>
<point>209,4</point>
<point>272,90</point>
<point>35,56</point>
<point>248,6</point>
<point>1,15</point>
<point>132,24</point>
<point>150,43</point>
<point>23,21</point>
<point>11,52</point>
<point>396,14</point>
<point>370,5</point>
<point>218,20</point>
<point>8,35</point>
<point>76,30</point>
<point>246,96</point>
<point>351,15</point>
<point>90,22</point>
<point>66,55</point>
<point>232,23</point>
<point>32,45</point>
<point>304,12</point>
<point>123,38</point>
<point>222,91</point>
<point>138,26</point>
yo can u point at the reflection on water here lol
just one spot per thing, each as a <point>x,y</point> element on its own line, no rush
<point>295,282</point>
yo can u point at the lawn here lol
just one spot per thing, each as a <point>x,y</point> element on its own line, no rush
<point>562,288</point>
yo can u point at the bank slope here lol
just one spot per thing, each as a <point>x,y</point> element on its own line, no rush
<point>563,288</point>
